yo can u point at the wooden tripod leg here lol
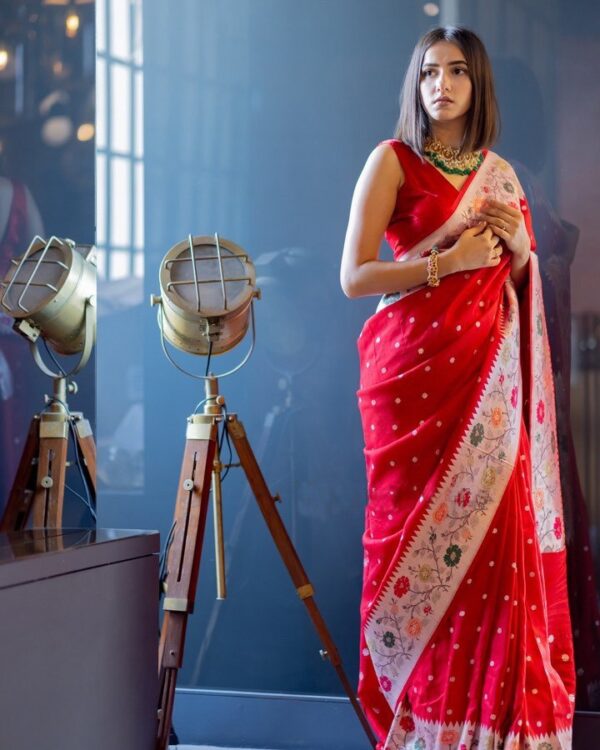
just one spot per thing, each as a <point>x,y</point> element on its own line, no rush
<point>50,485</point>
<point>183,562</point>
<point>85,441</point>
<point>20,498</point>
<point>291,560</point>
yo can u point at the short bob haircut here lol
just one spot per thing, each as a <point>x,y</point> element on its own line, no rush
<point>483,123</point>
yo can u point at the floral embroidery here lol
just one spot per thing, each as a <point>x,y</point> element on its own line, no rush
<point>463,498</point>
<point>452,556</point>
<point>539,327</point>
<point>541,412</point>
<point>514,396</point>
<point>425,573</point>
<point>544,456</point>
<point>414,627</point>
<point>440,513</point>
<point>386,683</point>
<point>558,527</point>
<point>538,499</point>
<point>448,736</point>
<point>389,639</point>
<point>401,586</point>
<point>509,187</point>
<point>407,723</point>
<point>497,415</point>
<point>477,434</point>
<point>465,736</point>
<point>489,477</point>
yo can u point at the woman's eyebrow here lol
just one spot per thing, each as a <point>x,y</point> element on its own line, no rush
<point>452,62</point>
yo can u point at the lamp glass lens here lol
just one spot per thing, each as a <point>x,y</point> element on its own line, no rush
<point>209,286</point>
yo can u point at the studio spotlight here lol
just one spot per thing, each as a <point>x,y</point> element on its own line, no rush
<point>208,286</point>
<point>50,292</point>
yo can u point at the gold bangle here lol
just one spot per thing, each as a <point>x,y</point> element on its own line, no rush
<point>432,267</point>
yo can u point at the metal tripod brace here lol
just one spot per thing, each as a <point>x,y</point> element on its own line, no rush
<point>200,467</point>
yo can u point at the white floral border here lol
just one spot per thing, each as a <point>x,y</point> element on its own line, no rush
<point>454,522</point>
<point>546,489</point>
<point>412,733</point>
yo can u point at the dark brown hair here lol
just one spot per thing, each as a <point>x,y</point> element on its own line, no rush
<point>483,123</point>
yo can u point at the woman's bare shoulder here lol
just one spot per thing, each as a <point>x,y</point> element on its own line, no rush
<point>385,160</point>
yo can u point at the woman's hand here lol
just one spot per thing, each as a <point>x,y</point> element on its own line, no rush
<point>477,247</point>
<point>508,224</point>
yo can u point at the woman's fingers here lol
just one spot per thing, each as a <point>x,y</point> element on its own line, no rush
<point>495,208</point>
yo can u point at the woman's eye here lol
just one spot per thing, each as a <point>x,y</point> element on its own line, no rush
<point>460,70</point>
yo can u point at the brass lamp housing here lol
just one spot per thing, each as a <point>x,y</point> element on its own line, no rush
<point>60,318</point>
<point>200,327</point>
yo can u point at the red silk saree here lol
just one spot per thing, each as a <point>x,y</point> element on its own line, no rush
<point>465,630</point>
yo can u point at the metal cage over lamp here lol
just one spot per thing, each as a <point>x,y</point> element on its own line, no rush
<point>207,286</point>
<point>50,291</point>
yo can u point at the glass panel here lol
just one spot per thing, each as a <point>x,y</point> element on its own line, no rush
<point>120,31</point>
<point>120,102</point>
<point>120,386</point>
<point>257,118</point>
<point>120,202</point>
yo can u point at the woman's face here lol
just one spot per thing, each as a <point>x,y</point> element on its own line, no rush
<point>445,83</point>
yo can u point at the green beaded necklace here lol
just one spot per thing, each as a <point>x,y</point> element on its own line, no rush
<point>449,160</point>
<point>439,162</point>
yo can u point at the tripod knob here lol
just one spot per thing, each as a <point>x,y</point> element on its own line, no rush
<point>188,485</point>
<point>46,482</point>
<point>324,654</point>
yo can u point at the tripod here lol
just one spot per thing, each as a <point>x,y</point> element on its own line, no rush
<point>201,468</point>
<point>39,487</point>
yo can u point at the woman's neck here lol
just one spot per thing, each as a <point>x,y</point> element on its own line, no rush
<point>450,134</point>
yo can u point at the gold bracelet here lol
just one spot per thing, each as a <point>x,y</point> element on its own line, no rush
<point>432,267</point>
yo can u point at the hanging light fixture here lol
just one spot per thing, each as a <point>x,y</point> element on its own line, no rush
<point>72,25</point>
<point>4,57</point>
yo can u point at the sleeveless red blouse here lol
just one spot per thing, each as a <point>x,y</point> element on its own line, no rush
<point>425,200</point>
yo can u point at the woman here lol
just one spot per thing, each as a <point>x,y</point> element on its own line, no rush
<point>466,639</point>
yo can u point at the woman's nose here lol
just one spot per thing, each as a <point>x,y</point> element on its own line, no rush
<point>443,83</point>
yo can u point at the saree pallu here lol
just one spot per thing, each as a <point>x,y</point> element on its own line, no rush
<point>465,630</point>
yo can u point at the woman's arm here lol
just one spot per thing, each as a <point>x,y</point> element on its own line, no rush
<point>362,273</point>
